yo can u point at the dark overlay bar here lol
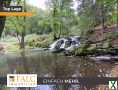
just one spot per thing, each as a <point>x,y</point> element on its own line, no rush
<point>79,80</point>
<point>12,9</point>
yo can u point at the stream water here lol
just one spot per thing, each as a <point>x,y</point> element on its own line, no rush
<point>51,65</point>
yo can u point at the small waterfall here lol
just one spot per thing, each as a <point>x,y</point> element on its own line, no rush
<point>67,44</point>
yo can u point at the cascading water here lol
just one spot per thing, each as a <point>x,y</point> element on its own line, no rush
<point>67,44</point>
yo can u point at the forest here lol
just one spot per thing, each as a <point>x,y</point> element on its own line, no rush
<point>69,38</point>
<point>94,21</point>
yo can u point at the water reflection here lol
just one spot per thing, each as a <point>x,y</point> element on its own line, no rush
<point>55,65</point>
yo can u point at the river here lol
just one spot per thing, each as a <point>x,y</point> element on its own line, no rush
<point>46,64</point>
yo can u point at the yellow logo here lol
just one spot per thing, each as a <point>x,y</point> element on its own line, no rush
<point>21,80</point>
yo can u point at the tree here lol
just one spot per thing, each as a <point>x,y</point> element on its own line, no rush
<point>117,11</point>
<point>18,25</point>
<point>22,44</point>
<point>60,14</point>
<point>3,18</point>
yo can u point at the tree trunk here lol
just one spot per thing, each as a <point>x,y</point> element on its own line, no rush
<point>117,12</point>
<point>22,46</point>
<point>2,24</point>
<point>102,12</point>
<point>54,25</point>
<point>23,32</point>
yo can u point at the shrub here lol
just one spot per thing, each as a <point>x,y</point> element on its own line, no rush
<point>42,41</point>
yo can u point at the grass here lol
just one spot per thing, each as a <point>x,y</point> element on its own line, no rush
<point>32,41</point>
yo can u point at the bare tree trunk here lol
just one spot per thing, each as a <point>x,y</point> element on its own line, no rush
<point>2,24</point>
<point>22,46</point>
<point>117,12</point>
<point>54,24</point>
<point>102,12</point>
<point>23,32</point>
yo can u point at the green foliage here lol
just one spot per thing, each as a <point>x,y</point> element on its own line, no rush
<point>41,41</point>
<point>60,20</point>
<point>39,23</point>
<point>61,17</point>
